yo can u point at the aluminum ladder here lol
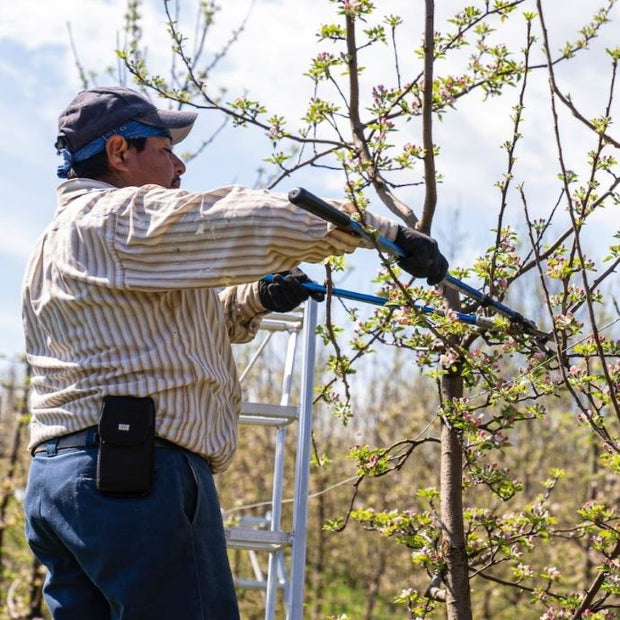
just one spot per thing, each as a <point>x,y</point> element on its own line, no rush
<point>252,534</point>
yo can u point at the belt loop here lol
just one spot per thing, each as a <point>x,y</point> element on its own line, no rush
<point>51,448</point>
<point>92,437</point>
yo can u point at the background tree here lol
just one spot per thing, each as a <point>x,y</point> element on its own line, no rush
<point>21,575</point>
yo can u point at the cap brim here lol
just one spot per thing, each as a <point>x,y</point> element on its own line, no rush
<point>178,122</point>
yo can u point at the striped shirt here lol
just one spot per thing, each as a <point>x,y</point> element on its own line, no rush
<point>140,291</point>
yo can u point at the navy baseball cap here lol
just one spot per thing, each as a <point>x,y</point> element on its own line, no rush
<point>98,110</point>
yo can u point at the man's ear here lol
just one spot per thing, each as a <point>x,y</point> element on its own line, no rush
<point>116,150</point>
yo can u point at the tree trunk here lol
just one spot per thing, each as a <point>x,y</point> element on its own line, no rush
<point>458,603</point>
<point>456,579</point>
<point>374,584</point>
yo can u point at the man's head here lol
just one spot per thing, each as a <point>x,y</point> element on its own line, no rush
<point>103,125</point>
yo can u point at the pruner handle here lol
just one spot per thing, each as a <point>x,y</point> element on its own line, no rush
<point>317,206</point>
<point>313,204</point>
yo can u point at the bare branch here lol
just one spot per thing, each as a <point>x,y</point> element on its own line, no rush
<point>430,176</point>
<point>357,128</point>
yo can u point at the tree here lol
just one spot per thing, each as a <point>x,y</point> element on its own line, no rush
<point>491,383</point>
<point>21,575</point>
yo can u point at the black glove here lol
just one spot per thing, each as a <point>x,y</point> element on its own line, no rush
<point>423,260</point>
<point>285,291</point>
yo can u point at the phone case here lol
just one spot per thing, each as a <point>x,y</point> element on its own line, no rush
<point>126,444</point>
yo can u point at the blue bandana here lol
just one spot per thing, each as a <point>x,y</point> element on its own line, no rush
<point>132,129</point>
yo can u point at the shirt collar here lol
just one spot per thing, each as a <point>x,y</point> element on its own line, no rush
<point>69,190</point>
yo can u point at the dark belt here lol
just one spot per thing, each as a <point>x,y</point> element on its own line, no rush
<point>87,438</point>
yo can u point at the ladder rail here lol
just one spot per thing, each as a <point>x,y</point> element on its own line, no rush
<point>278,478</point>
<point>255,357</point>
<point>302,466</point>
<point>269,536</point>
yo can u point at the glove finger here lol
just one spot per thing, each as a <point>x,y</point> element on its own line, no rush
<point>298,274</point>
<point>277,291</point>
<point>303,278</point>
<point>414,265</point>
<point>277,296</point>
<point>295,290</point>
<point>438,270</point>
<point>282,300</point>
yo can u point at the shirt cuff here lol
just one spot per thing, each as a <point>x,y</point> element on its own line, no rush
<point>384,226</point>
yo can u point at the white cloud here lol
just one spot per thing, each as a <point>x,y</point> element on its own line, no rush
<point>37,25</point>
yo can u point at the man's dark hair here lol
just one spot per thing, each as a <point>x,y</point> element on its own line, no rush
<point>96,167</point>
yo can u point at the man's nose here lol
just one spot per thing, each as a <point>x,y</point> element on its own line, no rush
<point>179,166</point>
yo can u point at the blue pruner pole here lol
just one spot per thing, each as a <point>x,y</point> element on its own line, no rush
<point>376,300</point>
<point>317,206</point>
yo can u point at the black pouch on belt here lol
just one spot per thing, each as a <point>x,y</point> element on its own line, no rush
<point>126,444</point>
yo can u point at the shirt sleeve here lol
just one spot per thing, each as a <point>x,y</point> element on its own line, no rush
<point>242,311</point>
<point>174,238</point>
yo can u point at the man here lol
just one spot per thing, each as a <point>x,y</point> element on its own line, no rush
<point>131,299</point>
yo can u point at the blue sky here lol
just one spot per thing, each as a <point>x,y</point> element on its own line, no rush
<point>38,77</point>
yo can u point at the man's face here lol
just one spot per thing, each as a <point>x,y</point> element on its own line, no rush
<point>155,164</point>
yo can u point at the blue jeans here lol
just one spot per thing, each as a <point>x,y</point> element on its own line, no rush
<point>161,557</point>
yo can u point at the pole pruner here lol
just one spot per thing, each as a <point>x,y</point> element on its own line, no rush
<point>317,206</point>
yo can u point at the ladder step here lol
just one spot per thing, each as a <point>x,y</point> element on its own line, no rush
<point>259,540</point>
<point>282,322</point>
<point>253,584</point>
<point>268,415</point>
